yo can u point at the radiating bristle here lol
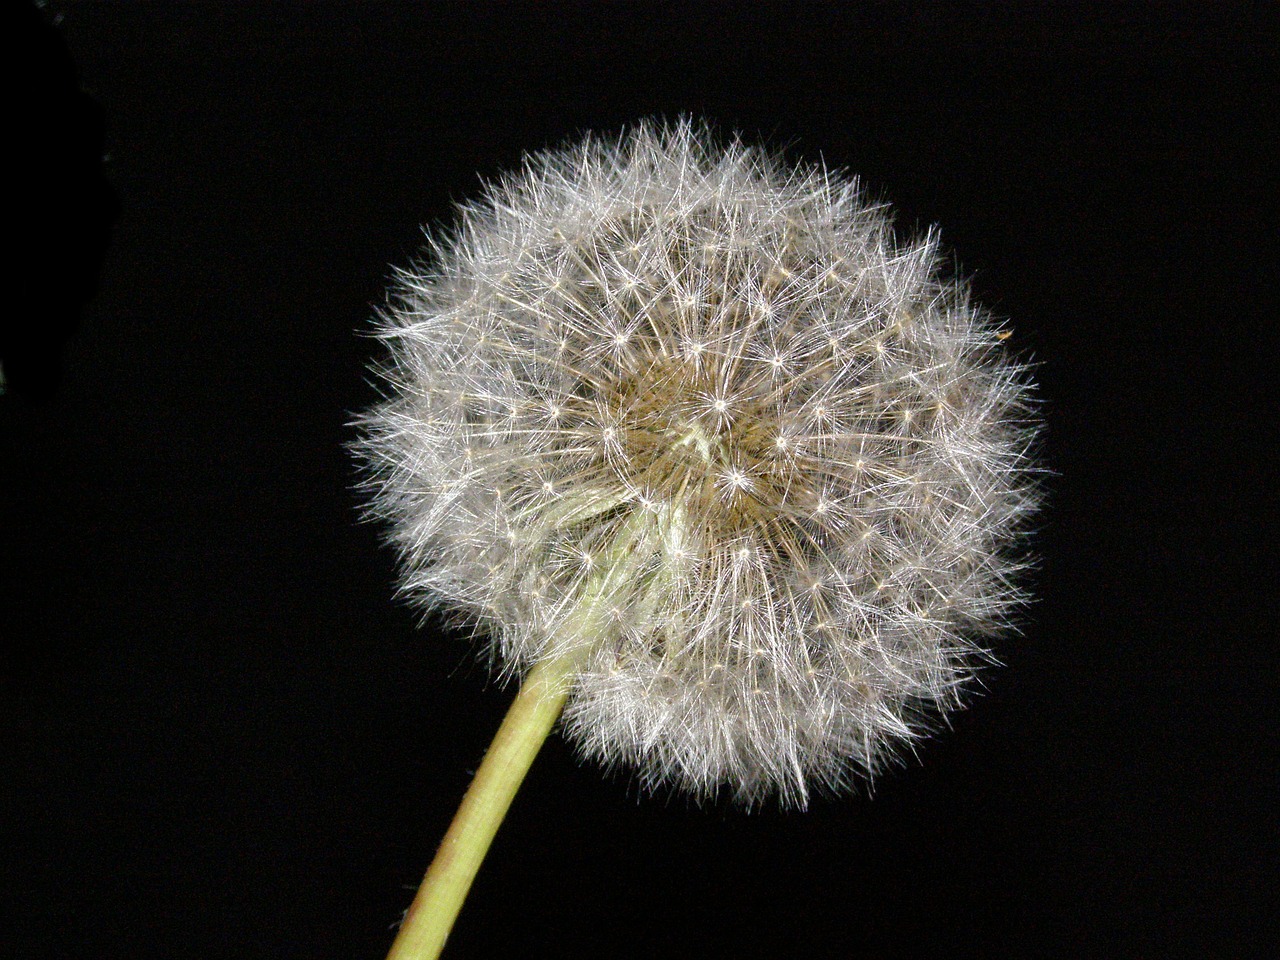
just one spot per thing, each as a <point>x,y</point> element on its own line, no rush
<point>694,416</point>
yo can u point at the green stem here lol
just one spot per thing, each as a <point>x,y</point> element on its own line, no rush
<point>537,706</point>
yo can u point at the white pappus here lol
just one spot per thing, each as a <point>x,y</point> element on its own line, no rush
<point>692,415</point>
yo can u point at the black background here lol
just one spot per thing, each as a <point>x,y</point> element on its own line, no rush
<point>224,738</point>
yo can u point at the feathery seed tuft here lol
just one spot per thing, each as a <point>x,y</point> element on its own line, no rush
<point>693,417</point>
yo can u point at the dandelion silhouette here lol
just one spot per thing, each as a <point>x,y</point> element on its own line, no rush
<point>717,465</point>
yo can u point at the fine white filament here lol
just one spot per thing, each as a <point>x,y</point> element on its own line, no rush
<point>694,417</point>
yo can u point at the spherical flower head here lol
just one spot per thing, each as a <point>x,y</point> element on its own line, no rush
<point>695,418</point>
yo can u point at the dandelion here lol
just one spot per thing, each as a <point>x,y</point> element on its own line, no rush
<point>717,465</point>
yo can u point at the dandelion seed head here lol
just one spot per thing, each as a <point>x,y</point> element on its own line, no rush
<point>695,417</point>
